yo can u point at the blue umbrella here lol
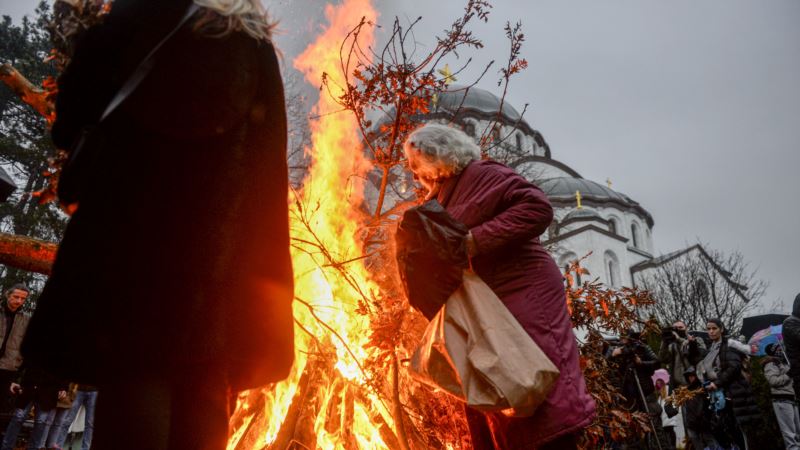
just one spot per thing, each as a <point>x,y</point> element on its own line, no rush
<point>762,338</point>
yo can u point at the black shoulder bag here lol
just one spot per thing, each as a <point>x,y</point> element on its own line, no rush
<point>75,171</point>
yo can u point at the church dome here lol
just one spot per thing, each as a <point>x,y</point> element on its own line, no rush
<point>561,191</point>
<point>478,101</point>
<point>582,214</point>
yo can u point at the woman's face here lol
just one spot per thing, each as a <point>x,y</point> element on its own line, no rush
<point>714,332</point>
<point>421,171</point>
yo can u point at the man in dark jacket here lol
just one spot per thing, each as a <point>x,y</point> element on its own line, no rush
<point>636,363</point>
<point>13,326</point>
<point>679,351</point>
<point>791,341</point>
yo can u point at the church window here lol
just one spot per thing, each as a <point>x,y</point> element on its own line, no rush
<point>635,235</point>
<point>469,128</point>
<point>612,225</point>
<point>519,141</point>
<point>564,261</point>
<point>552,231</point>
<point>612,268</point>
<point>701,292</point>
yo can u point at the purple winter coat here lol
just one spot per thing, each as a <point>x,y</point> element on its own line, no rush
<point>506,215</point>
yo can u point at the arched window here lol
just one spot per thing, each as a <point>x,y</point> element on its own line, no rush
<point>635,235</point>
<point>564,262</point>
<point>469,128</point>
<point>701,292</point>
<point>518,136</point>
<point>613,225</point>
<point>552,230</point>
<point>612,268</point>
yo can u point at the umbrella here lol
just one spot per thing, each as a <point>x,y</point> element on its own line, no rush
<point>661,374</point>
<point>771,335</point>
<point>7,185</point>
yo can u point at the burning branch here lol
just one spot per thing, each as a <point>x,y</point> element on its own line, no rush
<point>26,253</point>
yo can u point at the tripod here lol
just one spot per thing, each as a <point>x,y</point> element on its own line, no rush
<point>646,410</point>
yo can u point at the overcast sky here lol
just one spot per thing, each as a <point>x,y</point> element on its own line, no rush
<point>691,108</point>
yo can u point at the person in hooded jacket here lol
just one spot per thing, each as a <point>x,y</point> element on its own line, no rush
<point>696,415</point>
<point>505,215</point>
<point>776,371</point>
<point>721,370</point>
<point>791,342</point>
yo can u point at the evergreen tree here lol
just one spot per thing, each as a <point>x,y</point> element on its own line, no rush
<point>25,144</point>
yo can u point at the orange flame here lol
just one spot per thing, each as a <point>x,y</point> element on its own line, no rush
<point>330,203</point>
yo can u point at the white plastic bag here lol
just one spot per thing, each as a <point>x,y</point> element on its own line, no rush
<point>476,350</point>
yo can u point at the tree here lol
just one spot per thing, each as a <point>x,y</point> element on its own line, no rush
<point>25,146</point>
<point>696,284</point>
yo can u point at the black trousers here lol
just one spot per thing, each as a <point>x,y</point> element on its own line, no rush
<point>155,412</point>
<point>6,377</point>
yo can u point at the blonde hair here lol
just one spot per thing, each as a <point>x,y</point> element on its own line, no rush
<point>222,17</point>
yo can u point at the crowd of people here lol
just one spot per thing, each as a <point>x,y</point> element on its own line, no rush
<point>26,390</point>
<point>716,370</point>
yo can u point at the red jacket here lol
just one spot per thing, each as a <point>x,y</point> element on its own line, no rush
<point>506,215</point>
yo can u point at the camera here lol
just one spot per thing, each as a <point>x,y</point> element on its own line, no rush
<point>668,335</point>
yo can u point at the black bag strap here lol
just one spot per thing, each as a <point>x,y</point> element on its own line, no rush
<point>144,67</point>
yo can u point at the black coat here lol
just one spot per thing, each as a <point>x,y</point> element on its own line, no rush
<point>39,387</point>
<point>178,256</point>
<point>791,340</point>
<point>735,386</point>
<point>695,411</point>
<point>627,367</point>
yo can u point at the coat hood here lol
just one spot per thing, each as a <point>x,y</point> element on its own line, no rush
<point>796,306</point>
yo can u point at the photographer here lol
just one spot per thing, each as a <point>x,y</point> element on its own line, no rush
<point>679,351</point>
<point>636,363</point>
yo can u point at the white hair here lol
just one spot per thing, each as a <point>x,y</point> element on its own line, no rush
<point>445,151</point>
<point>227,16</point>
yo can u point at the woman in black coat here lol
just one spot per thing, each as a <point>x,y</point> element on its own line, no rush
<point>721,369</point>
<point>173,285</point>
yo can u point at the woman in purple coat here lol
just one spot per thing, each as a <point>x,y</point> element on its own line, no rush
<point>506,214</point>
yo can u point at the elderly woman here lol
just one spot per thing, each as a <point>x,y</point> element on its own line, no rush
<point>721,369</point>
<point>172,287</point>
<point>506,214</point>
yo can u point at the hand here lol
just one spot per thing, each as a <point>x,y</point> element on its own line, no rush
<point>711,387</point>
<point>690,338</point>
<point>62,395</point>
<point>617,351</point>
<point>15,389</point>
<point>638,361</point>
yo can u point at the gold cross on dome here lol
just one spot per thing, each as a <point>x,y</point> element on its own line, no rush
<point>449,78</point>
<point>578,198</point>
